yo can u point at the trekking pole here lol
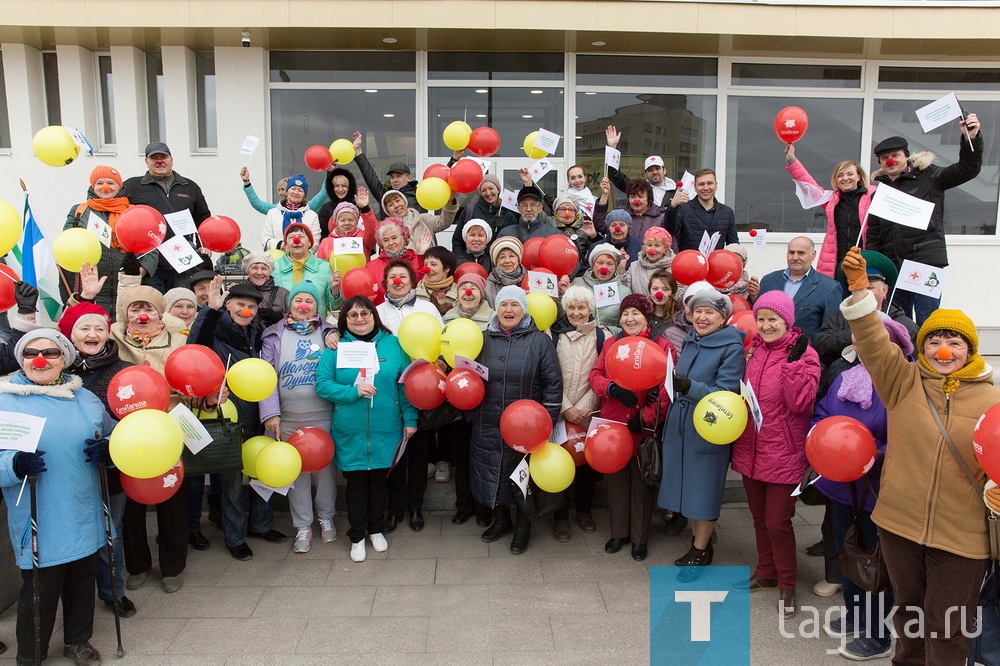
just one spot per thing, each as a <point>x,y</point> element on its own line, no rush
<point>36,602</point>
<point>106,501</point>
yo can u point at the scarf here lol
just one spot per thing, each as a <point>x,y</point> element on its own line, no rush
<point>143,339</point>
<point>394,255</point>
<point>466,314</point>
<point>367,337</point>
<point>409,299</point>
<point>442,284</point>
<point>288,217</point>
<point>114,208</point>
<point>302,327</point>
<point>108,354</point>
<point>972,369</point>
<point>298,268</point>
<point>856,387</point>
<point>510,278</point>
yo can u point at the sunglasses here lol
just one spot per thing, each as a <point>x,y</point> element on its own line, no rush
<point>51,353</point>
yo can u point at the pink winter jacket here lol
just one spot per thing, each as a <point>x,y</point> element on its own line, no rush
<point>827,261</point>
<point>786,393</point>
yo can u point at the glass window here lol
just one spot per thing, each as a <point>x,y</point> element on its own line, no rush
<point>303,118</point>
<point>677,115</point>
<point>205,96</point>
<point>50,73</point>
<point>968,209</point>
<point>785,75</point>
<point>940,78</point>
<point>154,96</point>
<point>758,187</point>
<point>343,66</point>
<point>4,115</point>
<point>496,66</point>
<point>107,100</point>
<point>646,71</point>
<point>513,112</point>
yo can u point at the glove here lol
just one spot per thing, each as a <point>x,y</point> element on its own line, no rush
<point>635,423</point>
<point>798,349</point>
<point>97,452</point>
<point>652,395</point>
<point>26,297</point>
<point>28,464</point>
<point>623,395</point>
<point>681,384</point>
<point>855,268</point>
<point>269,317</point>
<point>130,264</point>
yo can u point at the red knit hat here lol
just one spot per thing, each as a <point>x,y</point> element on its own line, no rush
<point>72,315</point>
<point>299,226</point>
<point>105,172</point>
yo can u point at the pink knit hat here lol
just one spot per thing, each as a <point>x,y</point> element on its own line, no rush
<point>659,232</point>
<point>778,302</point>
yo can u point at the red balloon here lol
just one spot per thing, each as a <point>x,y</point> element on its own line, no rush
<point>840,448</point>
<point>470,267</point>
<point>359,282</point>
<point>745,321</point>
<point>318,158</point>
<point>141,229</point>
<point>525,426</point>
<point>314,445</point>
<point>559,254</point>
<point>986,441</point>
<point>636,363</point>
<point>157,489</point>
<point>424,386</point>
<point>194,370</point>
<point>608,447</point>
<point>575,443</point>
<point>537,269</point>
<point>137,387</point>
<point>465,176</point>
<point>740,304</point>
<point>464,389</point>
<point>7,300</point>
<point>220,233</point>
<point>484,142</point>
<point>530,251</point>
<point>790,124</point>
<point>689,266</point>
<point>725,269</point>
<point>437,171</point>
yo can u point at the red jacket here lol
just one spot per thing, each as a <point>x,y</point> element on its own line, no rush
<point>377,268</point>
<point>367,235</point>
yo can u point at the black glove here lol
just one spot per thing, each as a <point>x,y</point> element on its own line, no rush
<point>635,423</point>
<point>681,384</point>
<point>26,297</point>
<point>653,394</point>
<point>269,317</point>
<point>27,464</point>
<point>130,264</point>
<point>798,349</point>
<point>97,451</point>
<point>623,395</point>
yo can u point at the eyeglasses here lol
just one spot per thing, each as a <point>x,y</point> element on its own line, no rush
<point>363,314</point>
<point>51,353</point>
<point>534,205</point>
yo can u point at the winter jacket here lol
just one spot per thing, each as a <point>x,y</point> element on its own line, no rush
<point>577,350</point>
<point>442,299</point>
<point>621,180</point>
<point>377,188</point>
<point>272,231</point>
<point>523,365</point>
<point>481,316</point>
<point>365,231</point>
<point>924,181</point>
<point>834,336</point>
<point>654,216</point>
<point>318,272</point>
<point>686,226</point>
<point>494,215</point>
<point>639,271</point>
<point>367,431</point>
<point>377,268</point>
<point>154,355</point>
<point>482,259</point>
<point>392,316</point>
<point>925,496</point>
<point>316,203</point>
<point>271,352</point>
<point>608,316</point>
<point>325,211</point>
<point>829,251</point>
<point>69,513</point>
<point>786,392</point>
<point>817,298</point>
<point>275,303</point>
<point>540,227</point>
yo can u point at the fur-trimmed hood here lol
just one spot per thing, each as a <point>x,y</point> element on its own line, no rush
<point>19,384</point>
<point>919,161</point>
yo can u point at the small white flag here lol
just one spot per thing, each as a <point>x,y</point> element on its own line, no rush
<point>939,112</point>
<point>705,246</point>
<point>521,476</point>
<point>99,228</point>
<point>597,421</point>
<point>249,145</point>
<point>80,140</point>
<point>746,390</point>
<point>607,293</point>
<point>921,278</point>
<point>901,208</point>
<point>463,363</point>
<point>668,381</point>
<point>196,437</point>
<point>181,222</point>
<point>559,434</point>
<point>687,184</point>
<point>539,169</point>
<point>179,253</point>
<point>543,282</point>
<point>547,141</point>
<point>483,164</point>
<point>509,198</point>
<point>348,245</point>
<point>759,240</point>
<point>612,157</point>
<point>811,195</point>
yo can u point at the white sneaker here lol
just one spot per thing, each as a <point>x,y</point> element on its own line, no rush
<point>443,473</point>
<point>825,589</point>
<point>431,470</point>
<point>358,553</point>
<point>302,539</point>
<point>329,531</point>
<point>378,542</point>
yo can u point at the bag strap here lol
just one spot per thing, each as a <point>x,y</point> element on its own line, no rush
<point>951,445</point>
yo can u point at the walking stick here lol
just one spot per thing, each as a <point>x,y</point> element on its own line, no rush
<point>106,501</point>
<point>36,602</point>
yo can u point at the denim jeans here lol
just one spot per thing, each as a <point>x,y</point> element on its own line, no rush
<point>196,490</point>
<point>923,305</point>
<point>117,507</point>
<point>857,601</point>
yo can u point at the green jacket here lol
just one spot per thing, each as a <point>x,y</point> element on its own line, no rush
<point>318,272</point>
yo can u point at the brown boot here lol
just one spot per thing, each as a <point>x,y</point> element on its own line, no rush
<point>561,531</point>
<point>786,603</point>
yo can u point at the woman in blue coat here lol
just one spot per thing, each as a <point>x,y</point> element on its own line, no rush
<point>371,416</point>
<point>694,470</point>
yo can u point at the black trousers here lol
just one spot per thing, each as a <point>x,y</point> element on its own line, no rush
<point>171,523</point>
<point>583,491</point>
<point>76,584</point>
<point>365,496</point>
<point>408,480</point>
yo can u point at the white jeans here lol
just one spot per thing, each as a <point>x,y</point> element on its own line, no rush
<point>300,499</point>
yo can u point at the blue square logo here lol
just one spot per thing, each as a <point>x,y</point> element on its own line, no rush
<point>701,621</point>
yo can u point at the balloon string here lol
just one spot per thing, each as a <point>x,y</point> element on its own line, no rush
<point>218,402</point>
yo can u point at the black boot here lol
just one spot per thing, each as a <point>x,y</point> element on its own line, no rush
<point>501,524</point>
<point>696,557</point>
<point>522,533</point>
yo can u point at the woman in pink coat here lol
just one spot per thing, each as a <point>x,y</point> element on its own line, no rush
<point>783,371</point>
<point>846,210</point>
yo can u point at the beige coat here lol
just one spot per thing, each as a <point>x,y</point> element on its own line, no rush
<point>577,355</point>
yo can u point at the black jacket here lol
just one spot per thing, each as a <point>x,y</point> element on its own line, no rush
<point>378,188</point>
<point>834,335</point>
<point>326,210</point>
<point>687,228</point>
<point>496,216</point>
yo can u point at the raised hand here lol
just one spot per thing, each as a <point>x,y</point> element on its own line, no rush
<point>245,175</point>
<point>612,135</point>
<point>91,282</point>
<point>361,198</point>
<point>357,142</point>
<point>216,297</point>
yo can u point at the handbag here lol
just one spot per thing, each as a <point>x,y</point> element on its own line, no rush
<point>223,454</point>
<point>537,502</point>
<point>863,565</point>
<point>650,454</point>
<point>985,645</point>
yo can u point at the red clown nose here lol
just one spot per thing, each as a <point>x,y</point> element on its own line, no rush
<point>659,295</point>
<point>246,313</point>
<point>105,189</point>
<point>159,162</point>
<point>144,319</point>
<point>636,202</point>
<point>651,251</point>
<point>617,228</point>
<point>397,281</point>
<point>304,307</point>
<point>944,353</point>
<point>425,270</point>
<point>39,362</point>
<point>603,270</point>
<point>567,215</point>
<point>753,233</point>
<point>468,292</point>
<point>296,241</point>
<point>890,162</point>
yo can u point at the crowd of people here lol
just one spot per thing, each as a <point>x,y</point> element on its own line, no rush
<point>825,343</point>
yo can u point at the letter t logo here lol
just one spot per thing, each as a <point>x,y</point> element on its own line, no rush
<point>701,611</point>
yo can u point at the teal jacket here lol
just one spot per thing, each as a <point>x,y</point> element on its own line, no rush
<point>367,431</point>
<point>318,272</point>
<point>262,206</point>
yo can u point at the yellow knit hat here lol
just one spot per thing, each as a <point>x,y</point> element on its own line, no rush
<point>949,320</point>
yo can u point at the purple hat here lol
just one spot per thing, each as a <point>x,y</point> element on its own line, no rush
<point>898,334</point>
<point>778,302</point>
<point>640,303</point>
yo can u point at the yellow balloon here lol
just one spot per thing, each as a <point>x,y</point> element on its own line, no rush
<point>433,193</point>
<point>278,464</point>
<point>252,379</point>
<point>10,227</point>
<point>228,412</point>
<point>552,468</point>
<point>420,336</point>
<point>720,417</point>
<point>277,254</point>
<point>75,247</point>
<point>345,262</point>
<point>146,443</point>
<point>54,146</point>
<point>456,135</point>
<point>542,309</point>
<point>342,152</point>
<point>461,337</point>
<point>529,147</point>
<point>250,449</point>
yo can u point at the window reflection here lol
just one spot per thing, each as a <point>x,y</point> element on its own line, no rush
<point>494,66</point>
<point>4,115</point>
<point>343,66</point>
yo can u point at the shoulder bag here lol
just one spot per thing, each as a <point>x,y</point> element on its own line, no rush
<point>863,565</point>
<point>223,454</point>
<point>650,452</point>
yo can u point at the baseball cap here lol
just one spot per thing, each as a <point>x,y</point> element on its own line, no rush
<point>653,160</point>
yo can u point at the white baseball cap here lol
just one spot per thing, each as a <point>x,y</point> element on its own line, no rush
<point>653,160</point>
